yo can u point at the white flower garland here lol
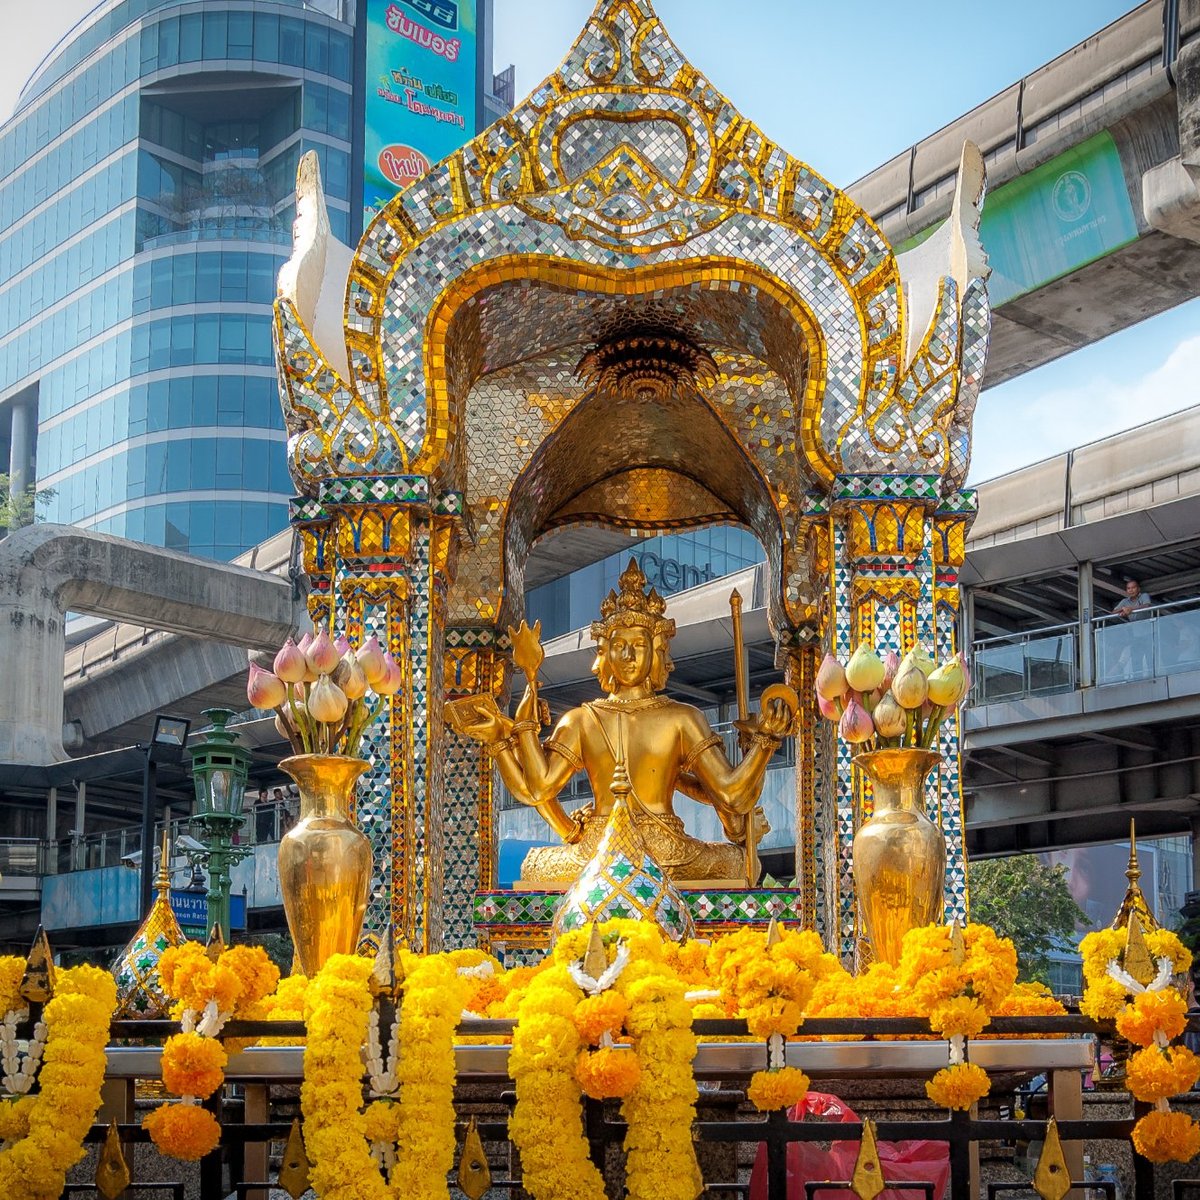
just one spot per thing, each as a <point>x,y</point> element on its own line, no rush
<point>20,1059</point>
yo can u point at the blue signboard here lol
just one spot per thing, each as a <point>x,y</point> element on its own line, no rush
<point>191,911</point>
<point>421,90</point>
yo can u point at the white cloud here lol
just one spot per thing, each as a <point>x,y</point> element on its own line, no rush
<point>1018,425</point>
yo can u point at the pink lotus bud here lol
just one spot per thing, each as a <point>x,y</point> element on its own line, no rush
<point>263,689</point>
<point>909,686</point>
<point>304,646</point>
<point>342,645</point>
<point>327,702</point>
<point>891,664</point>
<point>856,725</point>
<point>389,685</point>
<point>289,663</point>
<point>349,676</point>
<point>864,671</point>
<point>828,709</point>
<point>831,679</point>
<point>890,719</point>
<point>322,655</point>
<point>370,658</point>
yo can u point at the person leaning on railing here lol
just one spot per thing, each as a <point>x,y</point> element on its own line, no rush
<point>1134,601</point>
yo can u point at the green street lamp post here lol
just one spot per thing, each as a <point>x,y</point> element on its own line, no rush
<point>220,767</point>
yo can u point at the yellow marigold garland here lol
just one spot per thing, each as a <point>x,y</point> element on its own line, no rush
<point>206,995</point>
<point>51,1125</point>
<point>1159,1072</point>
<point>420,1121</point>
<point>659,1112</point>
<point>547,1121</point>
<point>434,997</point>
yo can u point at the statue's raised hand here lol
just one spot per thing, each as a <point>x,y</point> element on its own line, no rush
<point>778,710</point>
<point>527,649</point>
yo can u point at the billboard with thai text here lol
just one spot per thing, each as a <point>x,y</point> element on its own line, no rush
<point>421,90</point>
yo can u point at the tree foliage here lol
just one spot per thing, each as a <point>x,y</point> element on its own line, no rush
<point>20,508</point>
<point>1023,899</point>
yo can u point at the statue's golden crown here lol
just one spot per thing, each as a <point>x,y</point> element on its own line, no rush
<point>633,605</point>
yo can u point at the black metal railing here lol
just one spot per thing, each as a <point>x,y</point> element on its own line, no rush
<point>772,1134</point>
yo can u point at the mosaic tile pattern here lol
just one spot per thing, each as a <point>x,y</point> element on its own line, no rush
<point>624,194</point>
<point>499,911</point>
<point>139,993</point>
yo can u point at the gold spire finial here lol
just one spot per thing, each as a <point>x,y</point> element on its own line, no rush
<point>595,961</point>
<point>112,1171</point>
<point>1136,957</point>
<point>388,972</point>
<point>37,984</point>
<point>215,946</point>
<point>867,1181</point>
<point>1052,1180</point>
<point>1135,899</point>
<point>474,1175</point>
<point>162,885</point>
<point>958,944</point>
<point>293,1170</point>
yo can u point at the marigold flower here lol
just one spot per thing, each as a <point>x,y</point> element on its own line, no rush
<point>1103,998</point>
<point>600,1014</point>
<point>962,1016</point>
<point>1155,1074</point>
<point>1150,1013</point>
<point>184,1131</point>
<point>772,1090</point>
<point>1165,943</point>
<point>608,1073</point>
<point>193,1065</point>
<point>1167,1137</point>
<point>958,1086</point>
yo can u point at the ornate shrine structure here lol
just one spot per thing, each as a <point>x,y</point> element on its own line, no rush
<point>522,341</point>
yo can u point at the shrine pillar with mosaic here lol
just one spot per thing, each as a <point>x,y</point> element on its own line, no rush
<point>620,306</point>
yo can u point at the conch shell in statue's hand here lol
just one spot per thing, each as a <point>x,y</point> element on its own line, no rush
<point>528,654</point>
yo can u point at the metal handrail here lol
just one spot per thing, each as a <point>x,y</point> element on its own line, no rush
<point>1015,639</point>
<point>1150,610</point>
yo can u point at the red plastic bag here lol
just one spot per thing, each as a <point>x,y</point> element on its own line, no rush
<point>901,1162</point>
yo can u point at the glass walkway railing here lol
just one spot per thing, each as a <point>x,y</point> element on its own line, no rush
<point>1162,640</point>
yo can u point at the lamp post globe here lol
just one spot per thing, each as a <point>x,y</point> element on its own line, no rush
<point>220,768</point>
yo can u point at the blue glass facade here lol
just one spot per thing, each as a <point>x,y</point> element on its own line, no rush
<point>146,202</point>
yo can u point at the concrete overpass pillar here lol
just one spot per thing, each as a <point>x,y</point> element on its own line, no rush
<point>1195,854</point>
<point>46,570</point>
<point>1087,666</point>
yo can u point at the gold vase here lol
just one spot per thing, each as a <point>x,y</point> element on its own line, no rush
<point>899,853</point>
<point>324,860</point>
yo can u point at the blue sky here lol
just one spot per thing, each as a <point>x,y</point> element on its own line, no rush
<point>847,86</point>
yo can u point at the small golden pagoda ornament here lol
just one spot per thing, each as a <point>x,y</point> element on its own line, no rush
<point>136,971</point>
<point>1135,900</point>
<point>37,984</point>
<point>623,880</point>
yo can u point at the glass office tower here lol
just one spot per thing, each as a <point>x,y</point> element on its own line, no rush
<point>145,208</point>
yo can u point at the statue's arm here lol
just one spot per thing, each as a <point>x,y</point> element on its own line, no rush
<point>724,786</point>
<point>514,757</point>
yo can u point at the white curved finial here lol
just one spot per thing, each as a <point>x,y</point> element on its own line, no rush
<point>314,278</point>
<point>954,251</point>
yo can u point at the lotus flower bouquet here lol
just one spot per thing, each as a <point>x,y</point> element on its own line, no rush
<point>324,692</point>
<point>890,702</point>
